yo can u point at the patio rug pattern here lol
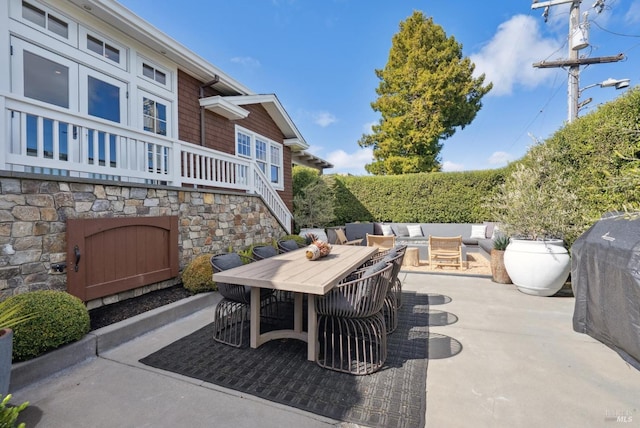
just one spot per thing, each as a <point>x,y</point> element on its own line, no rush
<point>278,371</point>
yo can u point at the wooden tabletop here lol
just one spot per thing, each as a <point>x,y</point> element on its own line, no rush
<point>292,271</point>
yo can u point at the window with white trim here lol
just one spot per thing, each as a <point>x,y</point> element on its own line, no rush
<point>266,153</point>
<point>44,19</point>
<point>155,114</point>
<point>261,154</point>
<point>244,144</point>
<point>44,76</point>
<point>103,48</point>
<point>276,164</point>
<point>153,73</point>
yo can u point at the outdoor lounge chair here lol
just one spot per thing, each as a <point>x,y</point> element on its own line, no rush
<point>232,311</point>
<point>445,251</point>
<point>383,242</point>
<point>351,325</point>
<point>341,238</point>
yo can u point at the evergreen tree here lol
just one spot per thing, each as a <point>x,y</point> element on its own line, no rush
<point>426,90</point>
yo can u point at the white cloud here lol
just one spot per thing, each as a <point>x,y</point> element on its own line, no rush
<point>507,59</point>
<point>450,166</point>
<point>246,61</point>
<point>500,158</point>
<point>324,119</point>
<point>633,14</point>
<point>367,128</point>
<point>352,163</point>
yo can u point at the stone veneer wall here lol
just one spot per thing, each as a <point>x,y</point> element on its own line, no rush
<point>34,209</point>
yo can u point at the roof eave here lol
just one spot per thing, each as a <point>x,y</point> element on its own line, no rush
<point>272,105</point>
<point>188,61</point>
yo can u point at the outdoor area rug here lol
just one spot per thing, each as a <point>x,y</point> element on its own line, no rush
<point>278,371</point>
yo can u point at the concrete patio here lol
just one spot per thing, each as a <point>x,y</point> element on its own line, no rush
<point>514,360</point>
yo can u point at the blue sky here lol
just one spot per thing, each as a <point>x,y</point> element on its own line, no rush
<point>319,58</point>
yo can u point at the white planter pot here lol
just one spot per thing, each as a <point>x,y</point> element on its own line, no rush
<point>539,268</point>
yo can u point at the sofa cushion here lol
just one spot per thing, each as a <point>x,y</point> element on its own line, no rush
<point>446,229</point>
<point>414,230</point>
<point>478,231</point>
<point>400,229</point>
<point>386,229</point>
<point>486,245</point>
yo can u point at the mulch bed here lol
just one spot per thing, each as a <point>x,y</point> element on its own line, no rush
<point>110,314</point>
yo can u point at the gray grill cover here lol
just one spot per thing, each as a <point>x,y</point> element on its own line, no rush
<point>605,276</point>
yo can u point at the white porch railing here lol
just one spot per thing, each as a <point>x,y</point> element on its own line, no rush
<point>47,140</point>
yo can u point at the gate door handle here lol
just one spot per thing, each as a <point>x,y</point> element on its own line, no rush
<point>76,251</point>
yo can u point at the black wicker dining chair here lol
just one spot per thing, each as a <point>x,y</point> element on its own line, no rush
<point>260,252</point>
<point>233,310</point>
<point>287,245</point>
<point>351,325</point>
<point>392,300</point>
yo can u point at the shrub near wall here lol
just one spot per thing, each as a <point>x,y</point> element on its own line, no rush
<point>443,197</point>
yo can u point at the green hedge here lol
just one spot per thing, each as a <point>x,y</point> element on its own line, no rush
<point>442,197</point>
<point>598,154</point>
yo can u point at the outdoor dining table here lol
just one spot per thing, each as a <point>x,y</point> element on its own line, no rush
<point>292,271</point>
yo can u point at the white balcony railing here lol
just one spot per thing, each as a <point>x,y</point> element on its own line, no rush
<point>47,140</point>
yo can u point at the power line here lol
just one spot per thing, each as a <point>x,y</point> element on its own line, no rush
<point>577,40</point>
<point>613,32</point>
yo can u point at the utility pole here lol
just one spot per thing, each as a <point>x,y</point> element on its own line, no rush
<point>574,61</point>
<point>574,70</point>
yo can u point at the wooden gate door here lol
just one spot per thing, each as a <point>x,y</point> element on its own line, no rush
<point>111,255</point>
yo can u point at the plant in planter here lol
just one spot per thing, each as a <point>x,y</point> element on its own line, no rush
<point>12,314</point>
<point>539,211</point>
<point>498,271</point>
<point>9,414</point>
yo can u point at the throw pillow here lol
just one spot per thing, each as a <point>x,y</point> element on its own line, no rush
<point>414,230</point>
<point>386,230</point>
<point>402,230</point>
<point>489,232</point>
<point>478,231</point>
<point>377,229</point>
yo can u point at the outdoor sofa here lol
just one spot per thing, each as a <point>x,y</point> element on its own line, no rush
<point>475,237</point>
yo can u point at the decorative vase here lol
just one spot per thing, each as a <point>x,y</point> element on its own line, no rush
<point>313,252</point>
<point>6,349</point>
<point>539,268</point>
<point>498,271</point>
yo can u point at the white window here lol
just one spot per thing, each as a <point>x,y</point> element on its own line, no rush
<point>103,96</point>
<point>103,48</point>
<point>266,153</point>
<point>276,164</point>
<point>44,19</point>
<point>43,76</point>
<point>155,114</point>
<point>154,73</point>
<point>244,144</point>
<point>261,154</point>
